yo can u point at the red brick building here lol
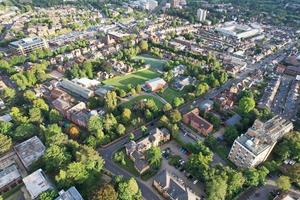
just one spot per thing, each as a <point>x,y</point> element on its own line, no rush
<point>194,120</point>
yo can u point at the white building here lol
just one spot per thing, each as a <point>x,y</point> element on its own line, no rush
<point>254,147</point>
<point>71,194</point>
<point>36,183</point>
<point>76,89</point>
<point>240,31</point>
<point>28,45</point>
<point>201,14</point>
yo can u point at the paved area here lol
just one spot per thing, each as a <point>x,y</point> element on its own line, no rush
<point>197,188</point>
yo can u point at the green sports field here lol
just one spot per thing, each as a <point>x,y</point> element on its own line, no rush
<point>134,79</point>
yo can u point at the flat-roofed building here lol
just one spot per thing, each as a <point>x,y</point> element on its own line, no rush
<point>28,45</point>
<point>254,147</point>
<point>36,183</point>
<point>71,194</point>
<point>76,89</point>
<point>9,178</point>
<point>30,151</point>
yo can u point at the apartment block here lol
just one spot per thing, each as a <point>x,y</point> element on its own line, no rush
<point>28,45</point>
<point>254,147</point>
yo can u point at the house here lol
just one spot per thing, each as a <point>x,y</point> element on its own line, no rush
<point>78,114</point>
<point>61,105</point>
<point>30,151</point>
<point>71,194</point>
<point>194,120</point>
<point>173,188</point>
<point>182,81</point>
<point>178,70</point>
<point>155,84</point>
<point>36,183</point>
<point>136,150</point>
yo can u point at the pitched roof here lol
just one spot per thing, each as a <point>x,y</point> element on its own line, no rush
<point>174,187</point>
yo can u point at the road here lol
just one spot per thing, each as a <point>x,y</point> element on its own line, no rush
<point>108,151</point>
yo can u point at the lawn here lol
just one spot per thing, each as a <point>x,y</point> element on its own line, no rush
<point>134,78</point>
<point>129,166</point>
<point>133,101</point>
<point>169,94</point>
<point>153,62</point>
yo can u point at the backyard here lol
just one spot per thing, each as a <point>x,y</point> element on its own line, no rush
<point>155,63</point>
<point>135,78</point>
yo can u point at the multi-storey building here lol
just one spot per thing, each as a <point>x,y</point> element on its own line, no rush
<point>201,14</point>
<point>28,45</point>
<point>253,147</point>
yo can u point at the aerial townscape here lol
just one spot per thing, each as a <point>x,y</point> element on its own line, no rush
<point>149,100</point>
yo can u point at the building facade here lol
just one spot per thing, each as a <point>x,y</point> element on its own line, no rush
<point>201,14</point>
<point>254,147</point>
<point>28,45</point>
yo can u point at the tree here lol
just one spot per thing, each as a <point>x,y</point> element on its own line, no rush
<point>5,127</point>
<point>9,93</point>
<point>235,182</point>
<point>120,157</point>
<point>246,104</point>
<point>144,45</point>
<point>18,116</point>
<point>55,116</point>
<point>128,190</point>
<point>56,157</point>
<point>167,107</point>
<point>131,136</point>
<point>75,173</point>
<point>111,100</point>
<point>154,156</point>
<point>24,131</point>
<point>283,183</point>
<point>230,134</point>
<point>175,116</point>
<point>151,105</point>
<point>95,123</point>
<point>216,188</point>
<point>109,122</point>
<point>48,195</point>
<point>254,177</point>
<point>126,115</point>
<point>121,129</point>
<point>106,192</point>
<point>5,143</point>
<point>201,89</point>
<point>41,104</point>
<point>178,101</point>
<point>29,95</point>
<point>74,132</point>
<point>35,115</point>
<point>198,164</point>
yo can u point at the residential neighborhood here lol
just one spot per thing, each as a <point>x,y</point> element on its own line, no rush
<point>149,100</point>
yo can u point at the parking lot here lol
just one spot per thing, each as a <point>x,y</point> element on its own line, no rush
<point>174,149</point>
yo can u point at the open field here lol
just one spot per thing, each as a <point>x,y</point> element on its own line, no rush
<point>133,101</point>
<point>134,78</point>
<point>153,62</point>
<point>169,94</point>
